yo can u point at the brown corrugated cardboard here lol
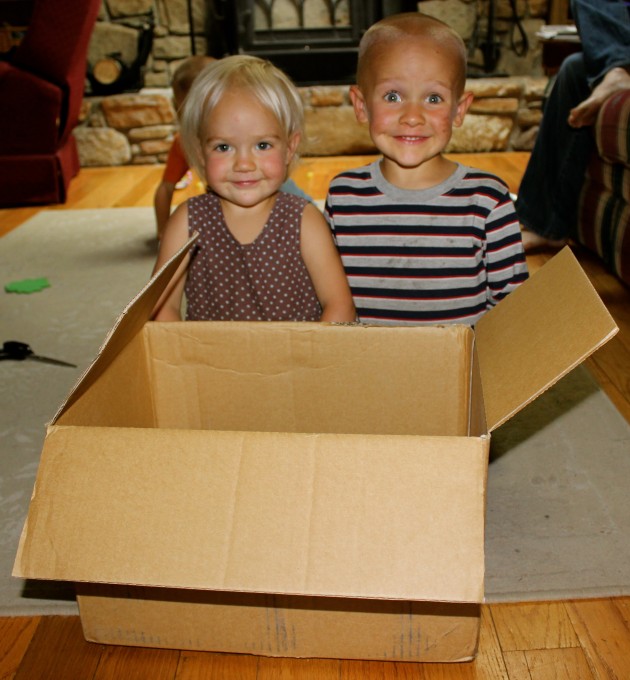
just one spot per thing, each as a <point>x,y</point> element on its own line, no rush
<point>293,489</point>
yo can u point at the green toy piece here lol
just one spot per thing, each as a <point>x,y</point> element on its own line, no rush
<point>27,285</point>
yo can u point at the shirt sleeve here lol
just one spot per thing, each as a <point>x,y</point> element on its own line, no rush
<point>506,265</point>
<point>176,163</point>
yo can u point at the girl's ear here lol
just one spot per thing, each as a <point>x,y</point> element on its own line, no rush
<point>292,146</point>
<point>462,108</point>
<point>358,102</point>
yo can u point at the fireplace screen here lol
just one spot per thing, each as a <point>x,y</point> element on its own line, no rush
<point>314,41</point>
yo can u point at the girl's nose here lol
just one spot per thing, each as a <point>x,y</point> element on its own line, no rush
<point>244,161</point>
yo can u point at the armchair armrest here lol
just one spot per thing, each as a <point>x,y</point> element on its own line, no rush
<point>30,114</point>
<point>612,129</point>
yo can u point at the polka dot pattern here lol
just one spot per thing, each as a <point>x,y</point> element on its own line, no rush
<point>266,280</point>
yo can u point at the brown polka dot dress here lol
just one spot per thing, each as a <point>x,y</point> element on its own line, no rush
<point>265,280</point>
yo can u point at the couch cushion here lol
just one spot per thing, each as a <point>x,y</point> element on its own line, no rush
<point>604,216</point>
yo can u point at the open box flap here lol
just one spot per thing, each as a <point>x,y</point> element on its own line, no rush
<point>537,334</point>
<point>128,324</point>
<point>301,514</point>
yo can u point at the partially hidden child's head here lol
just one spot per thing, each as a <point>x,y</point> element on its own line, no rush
<point>185,74</point>
<point>411,65</point>
<point>249,86</point>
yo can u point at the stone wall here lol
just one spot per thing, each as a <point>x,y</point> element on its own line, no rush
<point>119,23</point>
<point>118,28</point>
<point>138,128</point>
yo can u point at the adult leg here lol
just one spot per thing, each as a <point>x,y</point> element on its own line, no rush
<point>604,28</point>
<point>548,196</point>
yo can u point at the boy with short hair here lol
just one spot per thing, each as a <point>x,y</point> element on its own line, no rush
<point>176,164</point>
<point>424,240</point>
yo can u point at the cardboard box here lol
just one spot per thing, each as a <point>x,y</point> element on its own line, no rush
<point>293,489</point>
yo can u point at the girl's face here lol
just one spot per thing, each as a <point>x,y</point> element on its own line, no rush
<point>246,152</point>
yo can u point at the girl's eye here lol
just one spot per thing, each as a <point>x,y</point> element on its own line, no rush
<point>263,146</point>
<point>392,97</point>
<point>222,148</point>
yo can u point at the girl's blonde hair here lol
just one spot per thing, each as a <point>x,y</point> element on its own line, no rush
<point>268,84</point>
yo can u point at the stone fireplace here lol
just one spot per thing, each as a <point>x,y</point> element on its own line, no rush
<point>316,42</point>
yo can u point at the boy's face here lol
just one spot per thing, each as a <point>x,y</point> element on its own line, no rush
<point>246,153</point>
<point>411,98</point>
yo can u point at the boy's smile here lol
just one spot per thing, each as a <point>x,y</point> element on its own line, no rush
<point>411,100</point>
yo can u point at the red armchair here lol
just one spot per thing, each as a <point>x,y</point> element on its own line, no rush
<point>41,89</point>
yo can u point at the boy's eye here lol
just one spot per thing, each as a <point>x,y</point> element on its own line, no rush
<point>392,97</point>
<point>434,99</point>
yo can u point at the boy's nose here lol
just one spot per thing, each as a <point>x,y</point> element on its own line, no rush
<point>412,114</point>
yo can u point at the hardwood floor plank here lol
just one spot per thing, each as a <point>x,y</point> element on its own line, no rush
<point>623,605</point>
<point>142,187</point>
<point>489,663</point>
<point>136,663</point>
<point>613,361</point>
<point>297,669</point>
<point>107,189</point>
<point>440,671</point>
<point>558,664</point>
<point>205,666</point>
<point>58,651</point>
<point>85,184</point>
<point>616,393</point>
<point>544,625</point>
<point>516,665</point>
<point>15,637</point>
<point>10,218</point>
<point>360,670</point>
<point>604,635</point>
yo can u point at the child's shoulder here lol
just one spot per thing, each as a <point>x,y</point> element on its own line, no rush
<point>483,178</point>
<point>291,197</point>
<point>364,173</point>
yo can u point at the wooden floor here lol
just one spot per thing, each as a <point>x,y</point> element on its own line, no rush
<point>569,640</point>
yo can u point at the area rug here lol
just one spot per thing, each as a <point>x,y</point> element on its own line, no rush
<point>558,516</point>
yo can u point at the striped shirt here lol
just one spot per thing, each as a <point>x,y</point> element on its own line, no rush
<point>437,256</point>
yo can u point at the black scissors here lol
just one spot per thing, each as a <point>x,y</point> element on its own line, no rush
<point>19,351</point>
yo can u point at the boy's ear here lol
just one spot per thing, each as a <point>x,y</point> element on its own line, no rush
<point>462,108</point>
<point>358,102</point>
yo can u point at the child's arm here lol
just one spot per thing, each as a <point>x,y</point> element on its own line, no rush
<point>162,201</point>
<point>505,258</point>
<point>168,307</point>
<point>322,260</point>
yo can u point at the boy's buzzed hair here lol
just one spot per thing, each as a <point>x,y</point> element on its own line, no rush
<point>410,25</point>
